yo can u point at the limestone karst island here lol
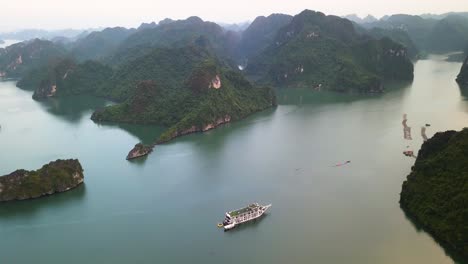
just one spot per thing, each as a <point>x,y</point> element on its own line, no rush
<point>234,132</point>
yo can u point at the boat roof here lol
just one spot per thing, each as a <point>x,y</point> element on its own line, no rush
<point>244,210</point>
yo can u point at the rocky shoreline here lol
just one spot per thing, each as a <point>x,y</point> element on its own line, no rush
<point>196,129</point>
<point>139,151</point>
<point>56,177</point>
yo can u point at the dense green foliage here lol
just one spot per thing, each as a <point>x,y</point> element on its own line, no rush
<point>175,92</point>
<point>169,34</point>
<point>398,36</point>
<point>67,77</point>
<point>167,86</point>
<point>416,27</point>
<point>57,176</point>
<point>317,50</point>
<point>20,58</point>
<point>449,34</point>
<point>99,44</point>
<point>168,67</point>
<point>462,77</point>
<point>261,33</point>
<point>436,191</point>
<point>161,73</point>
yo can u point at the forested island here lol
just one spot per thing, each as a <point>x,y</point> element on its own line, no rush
<point>55,177</point>
<point>435,193</point>
<point>326,52</point>
<point>192,75</point>
<point>184,74</point>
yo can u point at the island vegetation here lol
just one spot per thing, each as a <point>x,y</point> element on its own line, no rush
<point>139,151</point>
<point>193,94</point>
<point>19,59</point>
<point>183,74</point>
<point>435,193</point>
<point>55,177</point>
<point>326,52</point>
<point>462,77</point>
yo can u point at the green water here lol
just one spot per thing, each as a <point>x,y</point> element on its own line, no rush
<point>164,209</point>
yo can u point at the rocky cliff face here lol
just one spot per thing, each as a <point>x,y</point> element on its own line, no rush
<point>19,58</point>
<point>435,195</point>
<point>55,177</point>
<point>195,129</point>
<point>45,90</point>
<point>138,151</point>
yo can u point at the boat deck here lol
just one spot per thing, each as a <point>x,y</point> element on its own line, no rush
<point>243,210</point>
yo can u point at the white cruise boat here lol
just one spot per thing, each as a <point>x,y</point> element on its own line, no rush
<point>239,216</point>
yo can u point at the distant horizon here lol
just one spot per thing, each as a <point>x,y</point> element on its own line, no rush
<point>58,14</point>
<point>218,22</point>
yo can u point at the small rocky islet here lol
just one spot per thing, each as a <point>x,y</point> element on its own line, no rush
<point>56,177</point>
<point>139,151</point>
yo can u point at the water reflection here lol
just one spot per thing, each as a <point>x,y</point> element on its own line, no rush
<point>146,134</point>
<point>464,91</point>
<point>139,161</point>
<point>302,96</point>
<point>457,258</point>
<point>406,128</point>
<point>248,225</point>
<point>423,133</point>
<point>28,208</point>
<point>73,108</point>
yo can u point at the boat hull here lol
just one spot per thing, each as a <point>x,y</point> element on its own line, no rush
<point>238,220</point>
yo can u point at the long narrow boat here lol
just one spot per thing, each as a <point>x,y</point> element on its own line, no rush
<point>242,215</point>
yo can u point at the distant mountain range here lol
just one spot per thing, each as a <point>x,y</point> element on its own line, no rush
<point>28,34</point>
<point>355,18</point>
<point>301,49</point>
<point>190,68</point>
<point>442,16</point>
<point>430,33</point>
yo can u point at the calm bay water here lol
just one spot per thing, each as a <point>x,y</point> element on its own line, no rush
<point>164,209</point>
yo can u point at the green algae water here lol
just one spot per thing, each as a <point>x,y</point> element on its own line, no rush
<point>164,208</point>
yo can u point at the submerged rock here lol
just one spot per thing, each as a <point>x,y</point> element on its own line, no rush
<point>55,177</point>
<point>138,151</point>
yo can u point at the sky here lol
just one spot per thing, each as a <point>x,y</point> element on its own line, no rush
<point>79,14</point>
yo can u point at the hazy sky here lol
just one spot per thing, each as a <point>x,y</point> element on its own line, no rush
<point>57,14</point>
